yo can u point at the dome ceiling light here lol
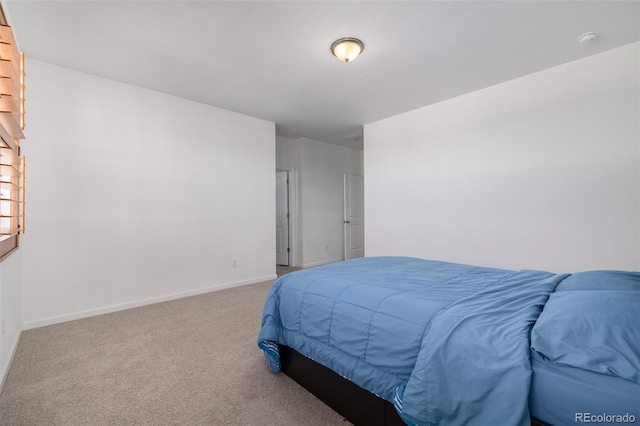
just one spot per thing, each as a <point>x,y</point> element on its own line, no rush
<point>587,37</point>
<point>347,48</point>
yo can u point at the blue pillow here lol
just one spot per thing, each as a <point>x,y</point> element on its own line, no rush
<point>592,322</point>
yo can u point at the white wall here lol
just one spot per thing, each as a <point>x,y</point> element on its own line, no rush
<point>10,312</point>
<point>135,196</point>
<point>539,172</point>
<point>319,170</point>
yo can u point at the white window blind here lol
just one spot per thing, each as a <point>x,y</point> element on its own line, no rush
<point>12,164</point>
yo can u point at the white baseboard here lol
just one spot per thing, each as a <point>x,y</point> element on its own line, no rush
<point>320,263</point>
<point>120,307</point>
<point>6,367</point>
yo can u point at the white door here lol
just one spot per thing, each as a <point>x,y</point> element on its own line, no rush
<point>282,218</point>
<point>353,217</point>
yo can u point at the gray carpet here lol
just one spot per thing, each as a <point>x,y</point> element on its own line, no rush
<point>192,361</point>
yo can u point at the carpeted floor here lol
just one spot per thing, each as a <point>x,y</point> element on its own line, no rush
<point>282,270</point>
<point>192,361</point>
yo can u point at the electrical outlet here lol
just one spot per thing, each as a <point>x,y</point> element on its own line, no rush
<point>234,263</point>
<point>326,247</point>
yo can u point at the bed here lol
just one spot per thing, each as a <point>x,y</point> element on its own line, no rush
<point>426,342</point>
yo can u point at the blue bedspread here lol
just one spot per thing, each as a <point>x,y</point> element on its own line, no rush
<point>447,343</point>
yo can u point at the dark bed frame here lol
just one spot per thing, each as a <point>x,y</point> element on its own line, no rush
<point>355,404</point>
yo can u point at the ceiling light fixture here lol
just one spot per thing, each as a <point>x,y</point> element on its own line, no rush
<point>347,48</point>
<point>587,37</point>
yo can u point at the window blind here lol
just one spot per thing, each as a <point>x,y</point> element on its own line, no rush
<point>12,164</point>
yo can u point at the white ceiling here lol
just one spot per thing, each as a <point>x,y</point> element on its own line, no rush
<point>271,59</point>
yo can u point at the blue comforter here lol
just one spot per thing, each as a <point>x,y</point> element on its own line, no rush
<point>448,344</point>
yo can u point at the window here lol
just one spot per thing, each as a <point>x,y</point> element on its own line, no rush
<point>12,164</point>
